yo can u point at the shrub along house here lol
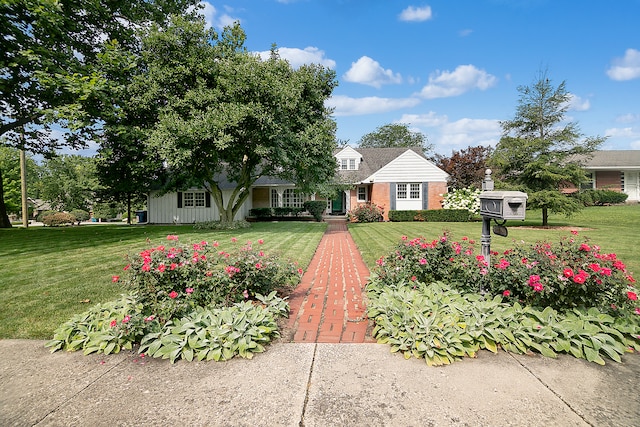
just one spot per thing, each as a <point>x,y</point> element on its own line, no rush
<point>392,178</point>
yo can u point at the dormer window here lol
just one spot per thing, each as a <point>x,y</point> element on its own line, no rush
<point>348,164</point>
<point>352,164</point>
<point>343,164</point>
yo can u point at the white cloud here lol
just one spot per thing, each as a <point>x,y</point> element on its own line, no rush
<point>578,104</point>
<point>347,106</point>
<point>628,118</point>
<point>626,68</point>
<point>369,72</point>
<point>416,14</point>
<point>627,132</point>
<point>213,19</point>
<point>298,57</point>
<point>431,119</point>
<point>443,84</point>
<point>464,33</point>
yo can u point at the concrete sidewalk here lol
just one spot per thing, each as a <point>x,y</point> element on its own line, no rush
<point>313,385</point>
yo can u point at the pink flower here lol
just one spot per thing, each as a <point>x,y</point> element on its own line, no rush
<point>150,318</point>
<point>506,293</point>
<point>637,310</point>
<point>584,247</point>
<point>216,244</point>
<point>574,232</point>
<point>300,271</point>
<point>126,319</point>
<point>538,287</point>
<point>605,271</point>
<point>567,272</point>
<point>260,253</point>
<point>423,261</point>
<point>173,294</point>
<point>480,257</point>
<point>632,296</point>
<point>619,265</point>
<point>503,264</point>
<point>579,278</point>
<point>595,267</point>
<point>245,294</point>
<point>380,261</point>
<point>146,267</point>
<point>172,237</point>
<point>533,279</point>
<point>126,267</point>
<point>234,239</point>
<point>115,278</point>
<point>161,268</point>
<point>189,291</point>
<point>404,238</point>
<point>414,278</point>
<point>258,266</point>
<point>631,279</point>
<point>113,323</point>
<point>260,241</point>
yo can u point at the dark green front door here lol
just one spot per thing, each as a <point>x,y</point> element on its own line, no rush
<point>336,205</point>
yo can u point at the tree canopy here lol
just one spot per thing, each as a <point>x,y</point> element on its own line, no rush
<point>465,167</point>
<point>395,135</point>
<point>228,116</point>
<point>538,149</point>
<point>49,51</point>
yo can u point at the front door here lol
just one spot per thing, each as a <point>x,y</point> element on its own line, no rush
<point>632,186</point>
<point>336,205</point>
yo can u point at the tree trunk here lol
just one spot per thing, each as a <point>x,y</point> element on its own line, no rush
<point>129,208</point>
<point>545,217</point>
<point>4,218</point>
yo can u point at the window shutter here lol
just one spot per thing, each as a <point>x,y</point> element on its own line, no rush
<point>207,199</point>
<point>392,196</point>
<point>179,199</point>
<point>425,195</point>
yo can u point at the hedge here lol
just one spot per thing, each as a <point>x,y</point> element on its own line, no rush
<point>432,215</point>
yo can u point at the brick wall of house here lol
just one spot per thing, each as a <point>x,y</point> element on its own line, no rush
<point>380,195</point>
<point>436,189</point>
<point>609,180</point>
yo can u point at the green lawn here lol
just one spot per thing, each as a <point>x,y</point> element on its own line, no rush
<point>614,228</point>
<point>49,274</point>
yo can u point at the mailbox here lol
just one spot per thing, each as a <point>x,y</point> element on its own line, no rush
<point>503,204</point>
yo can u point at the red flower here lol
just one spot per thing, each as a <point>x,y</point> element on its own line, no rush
<point>115,278</point>
<point>258,266</point>
<point>534,279</point>
<point>585,247</point>
<point>161,268</point>
<point>619,265</point>
<point>113,323</point>
<point>146,267</point>
<point>506,293</point>
<point>632,296</point>
<point>414,278</point>
<point>423,261</point>
<point>567,272</point>
<point>260,241</point>
<point>234,239</point>
<point>127,267</point>
<point>300,271</point>
<point>173,266</point>
<point>595,267</point>
<point>574,232</point>
<point>173,294</point>
<point>538,287</point>
<point>126,319</point>
<point>172,237</point>
<point>605,271</point>
<point>579,278</point>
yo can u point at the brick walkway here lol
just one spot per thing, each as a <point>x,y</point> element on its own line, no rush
<point>327,306</point>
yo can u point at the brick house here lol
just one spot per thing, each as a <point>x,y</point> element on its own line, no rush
<point>393,178</point>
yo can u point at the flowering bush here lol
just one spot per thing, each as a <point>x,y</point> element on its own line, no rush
<point>188,301</point>
<point>563,276</point>
<point>366,212</point>
<point>463,198</point>
<point>170,281</point>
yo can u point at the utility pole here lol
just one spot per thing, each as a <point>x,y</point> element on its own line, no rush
<point>23,184</point>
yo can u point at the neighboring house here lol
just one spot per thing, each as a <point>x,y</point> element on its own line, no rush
<point>392,178</point>
<point>614,170</point>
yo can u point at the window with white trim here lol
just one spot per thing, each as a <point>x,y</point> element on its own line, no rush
<point>291,198</point>
<point>408,191</point>
<point>343,164</point>
<point>352,164</point>
<point>193,199</point>
<point>588,184</point>
<point>362,193</point>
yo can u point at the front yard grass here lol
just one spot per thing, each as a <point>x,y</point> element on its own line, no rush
<point>50,274</point>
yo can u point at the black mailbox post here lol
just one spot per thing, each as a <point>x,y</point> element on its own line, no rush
<point>498,205</point>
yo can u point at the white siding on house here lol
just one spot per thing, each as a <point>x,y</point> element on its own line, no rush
<point>351,158</point>
<point>409,167</point>
<point>164,210</point>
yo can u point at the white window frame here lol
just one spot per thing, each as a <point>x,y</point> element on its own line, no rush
<point>292,198</point>
<point>414,191</point>
<point>193,199</point>
<point>408,191</point>
<point>352,164</point>
<point>344,164</point>
<point>362,189</point>
<point>401,191</point>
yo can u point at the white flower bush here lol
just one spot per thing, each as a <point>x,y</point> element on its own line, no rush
<point>464,198</point>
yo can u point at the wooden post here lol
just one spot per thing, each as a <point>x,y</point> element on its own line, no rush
<point>23,187</point>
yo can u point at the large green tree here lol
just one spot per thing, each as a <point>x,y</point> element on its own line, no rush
<point>48,75</point>
<point>538,150</point>
<point>10,166</point>
<point>69,182</point>
<point>226,115</point>
<point>395,135</point>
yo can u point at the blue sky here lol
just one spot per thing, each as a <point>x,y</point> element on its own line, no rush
<point>451,69</point>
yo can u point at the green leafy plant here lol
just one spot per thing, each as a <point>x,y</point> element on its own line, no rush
<point>80,215</point>
<point>316,208</point>
<point>58,218</point>
<point>440,324</point>
<point>218,225</point>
